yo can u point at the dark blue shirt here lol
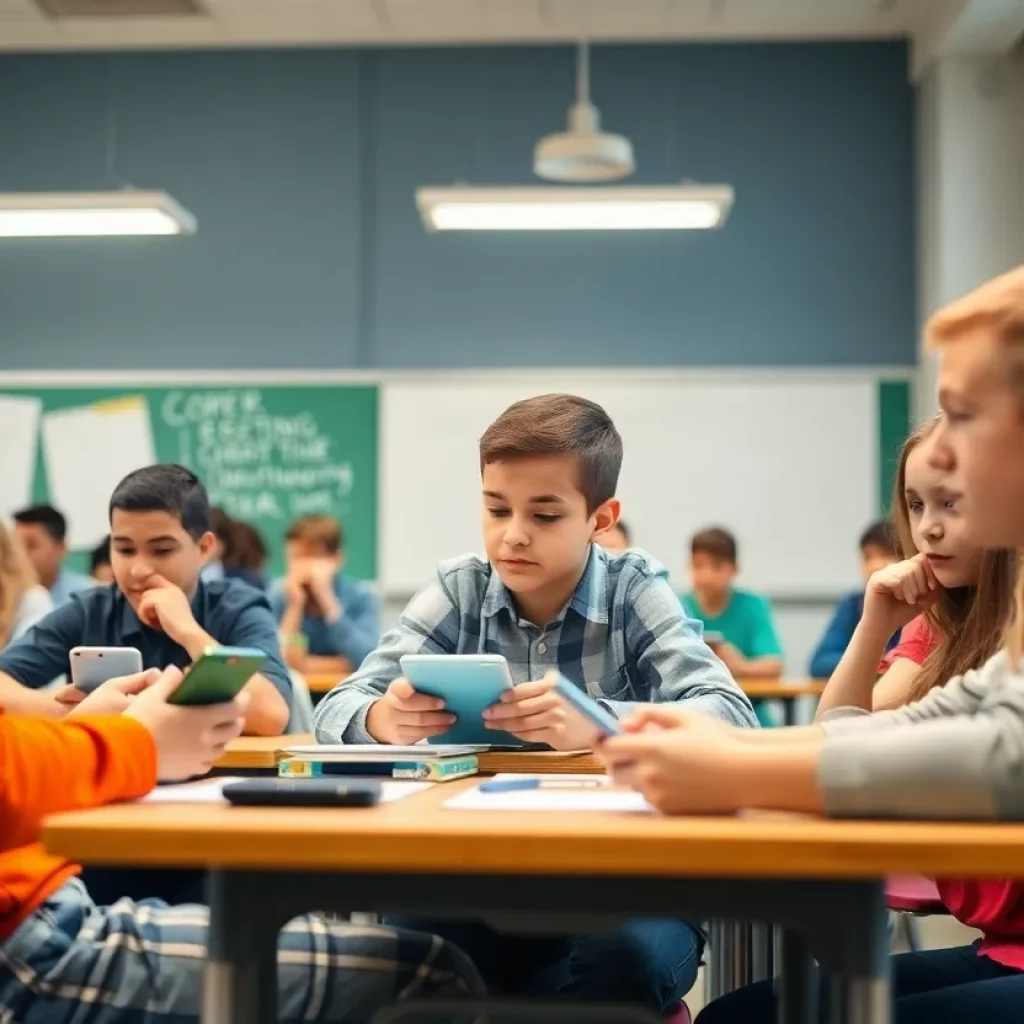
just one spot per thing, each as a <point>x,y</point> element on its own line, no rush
<point>838,636</point>
<point>232,612</point>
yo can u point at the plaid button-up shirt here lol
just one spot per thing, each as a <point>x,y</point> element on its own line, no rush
<point>623,638</point>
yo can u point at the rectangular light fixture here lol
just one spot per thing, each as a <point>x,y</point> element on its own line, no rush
<point>92,214</point>
<point>575,208</point>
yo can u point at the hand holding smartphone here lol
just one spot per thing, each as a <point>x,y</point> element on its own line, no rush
<point>218,676</point>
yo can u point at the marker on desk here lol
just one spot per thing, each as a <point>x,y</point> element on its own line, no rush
<point>512,785</point>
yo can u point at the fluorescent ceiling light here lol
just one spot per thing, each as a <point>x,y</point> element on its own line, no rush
<point>92,214</point>
<point>574,208</point>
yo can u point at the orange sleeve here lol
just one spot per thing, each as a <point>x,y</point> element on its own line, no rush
<point>48,766</point>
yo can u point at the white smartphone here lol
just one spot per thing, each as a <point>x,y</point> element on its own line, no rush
<point>93,666</point>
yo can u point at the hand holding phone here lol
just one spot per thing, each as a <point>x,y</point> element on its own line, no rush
<point>218,676</point>
<point>93,666</point>
<point>602,720</point>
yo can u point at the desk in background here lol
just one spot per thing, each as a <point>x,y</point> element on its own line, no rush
<point>568,872</point>
<point>789,692</point>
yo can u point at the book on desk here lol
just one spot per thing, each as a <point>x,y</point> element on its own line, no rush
<point>442,763</point>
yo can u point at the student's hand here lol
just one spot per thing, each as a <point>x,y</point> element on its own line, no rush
<point>189,740</point>
<point>658,717</point>
<point>404,716</point>
<point>899,593</point>
<point>321,582</point>
<point>693,769</point>
<point>295,586</point>
<point>110,698</point>
<point>166,607</point>
<point>535,713</point>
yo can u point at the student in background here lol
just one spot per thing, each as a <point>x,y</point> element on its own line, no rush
<point>738,624</point>
<point>41,531</point>
<point>220,527</point>
<point>550,600</point>
<point>964,597</point>
<point>22,601</point>
<point>958,753</point>
<point>328,622</point>
<point>100,569</point>
<point>64,958</point>
<point>160,536</point>
<point>878,548</point>
<point>246,555</point>
<point>617,539</point>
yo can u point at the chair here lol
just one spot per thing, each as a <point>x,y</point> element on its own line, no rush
<point>911,896</point>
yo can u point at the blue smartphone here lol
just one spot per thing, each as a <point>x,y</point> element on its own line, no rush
<point>605,723</point>
<point>468,684</point>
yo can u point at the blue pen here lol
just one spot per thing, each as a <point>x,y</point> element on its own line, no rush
<point>511,785</point>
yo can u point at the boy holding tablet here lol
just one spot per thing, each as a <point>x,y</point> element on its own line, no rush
<point>160,537</point>
<point>550,600</point>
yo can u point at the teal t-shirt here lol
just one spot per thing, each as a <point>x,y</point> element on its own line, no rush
<point>746,622</point>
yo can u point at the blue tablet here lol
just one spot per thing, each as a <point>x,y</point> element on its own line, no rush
<point>467,683</point>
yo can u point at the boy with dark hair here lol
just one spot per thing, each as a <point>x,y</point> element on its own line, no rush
<point>878,548</point>
<point>41,531</point>
<point>550,600</point>
<point>328,622</point>
<point>160,536</point>
<point>64,958</point>
<point>100,569</point>
<point>738,624</point>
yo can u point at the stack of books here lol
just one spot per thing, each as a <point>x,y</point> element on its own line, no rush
<point>435,763</point>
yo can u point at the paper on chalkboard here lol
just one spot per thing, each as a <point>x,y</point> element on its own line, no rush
<point>19,428</point>
<point>88,450</point>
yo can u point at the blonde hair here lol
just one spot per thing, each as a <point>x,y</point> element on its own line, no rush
<point>969,621</point>
<point>16,576</point>
<point>999,306</point>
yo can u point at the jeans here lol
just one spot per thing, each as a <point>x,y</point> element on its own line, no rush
<point>936,986</point>
<point>648,962</point>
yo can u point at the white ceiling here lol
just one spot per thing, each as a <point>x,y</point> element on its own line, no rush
<point>402,22</point>
<point>252,23</point>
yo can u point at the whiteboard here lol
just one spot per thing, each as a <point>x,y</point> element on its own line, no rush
<point>788,462</point>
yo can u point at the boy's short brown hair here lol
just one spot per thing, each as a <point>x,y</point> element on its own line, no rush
<point>322,531</point>
<point>560,425</point>
<point>715,542</point>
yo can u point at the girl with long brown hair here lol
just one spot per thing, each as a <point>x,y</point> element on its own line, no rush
<point>950,598</point>
<point>22,601</point>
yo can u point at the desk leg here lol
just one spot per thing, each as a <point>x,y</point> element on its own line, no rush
<point>859,963</point>
<point>796,980</point>
<point>240,980</point>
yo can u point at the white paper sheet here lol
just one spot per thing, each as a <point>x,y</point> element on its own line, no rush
<point>19,430</point>
<point>559,793</point>
<point>88,451</point>
<point>210,791</point>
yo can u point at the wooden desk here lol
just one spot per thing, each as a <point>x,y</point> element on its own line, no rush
<point>568,872</point>
<point>786,691</point>
<point>323,683</point>
<point>250,752</point>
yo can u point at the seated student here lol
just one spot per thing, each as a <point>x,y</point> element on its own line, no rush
<point>220,527</point>
<point>41,531</point>
<point>22,601</point>
<point>967,597</point>
<point>548,598</point>
<point>328,622</point>
<point>246,555</point>
<point>748,644</point>
<point>616,539</point>
<point>64,958</point>
<point>878,548</point>
<point>100,569</point>
<point>958,753</point>
<point>160,527</point>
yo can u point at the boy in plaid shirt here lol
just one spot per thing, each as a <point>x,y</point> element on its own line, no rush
<point>62,958</point>
<point>551,600</point>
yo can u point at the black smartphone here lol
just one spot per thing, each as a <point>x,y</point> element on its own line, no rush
<point>303,793</point>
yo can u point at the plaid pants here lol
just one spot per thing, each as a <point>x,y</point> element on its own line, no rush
<point>72,962</point>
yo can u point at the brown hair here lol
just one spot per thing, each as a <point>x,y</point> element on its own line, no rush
<point>323,531</point>
<point>998,305</point>
<point>716,542</point>
<point>560,425</point>
<point>969,621</point>
<point>16,576</point>
<point>246,549</point>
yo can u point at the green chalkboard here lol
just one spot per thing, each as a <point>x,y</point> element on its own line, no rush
<point>267,454</point>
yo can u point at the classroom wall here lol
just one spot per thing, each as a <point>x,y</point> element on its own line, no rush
<point>970,162</point>
<point>301,166</point>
